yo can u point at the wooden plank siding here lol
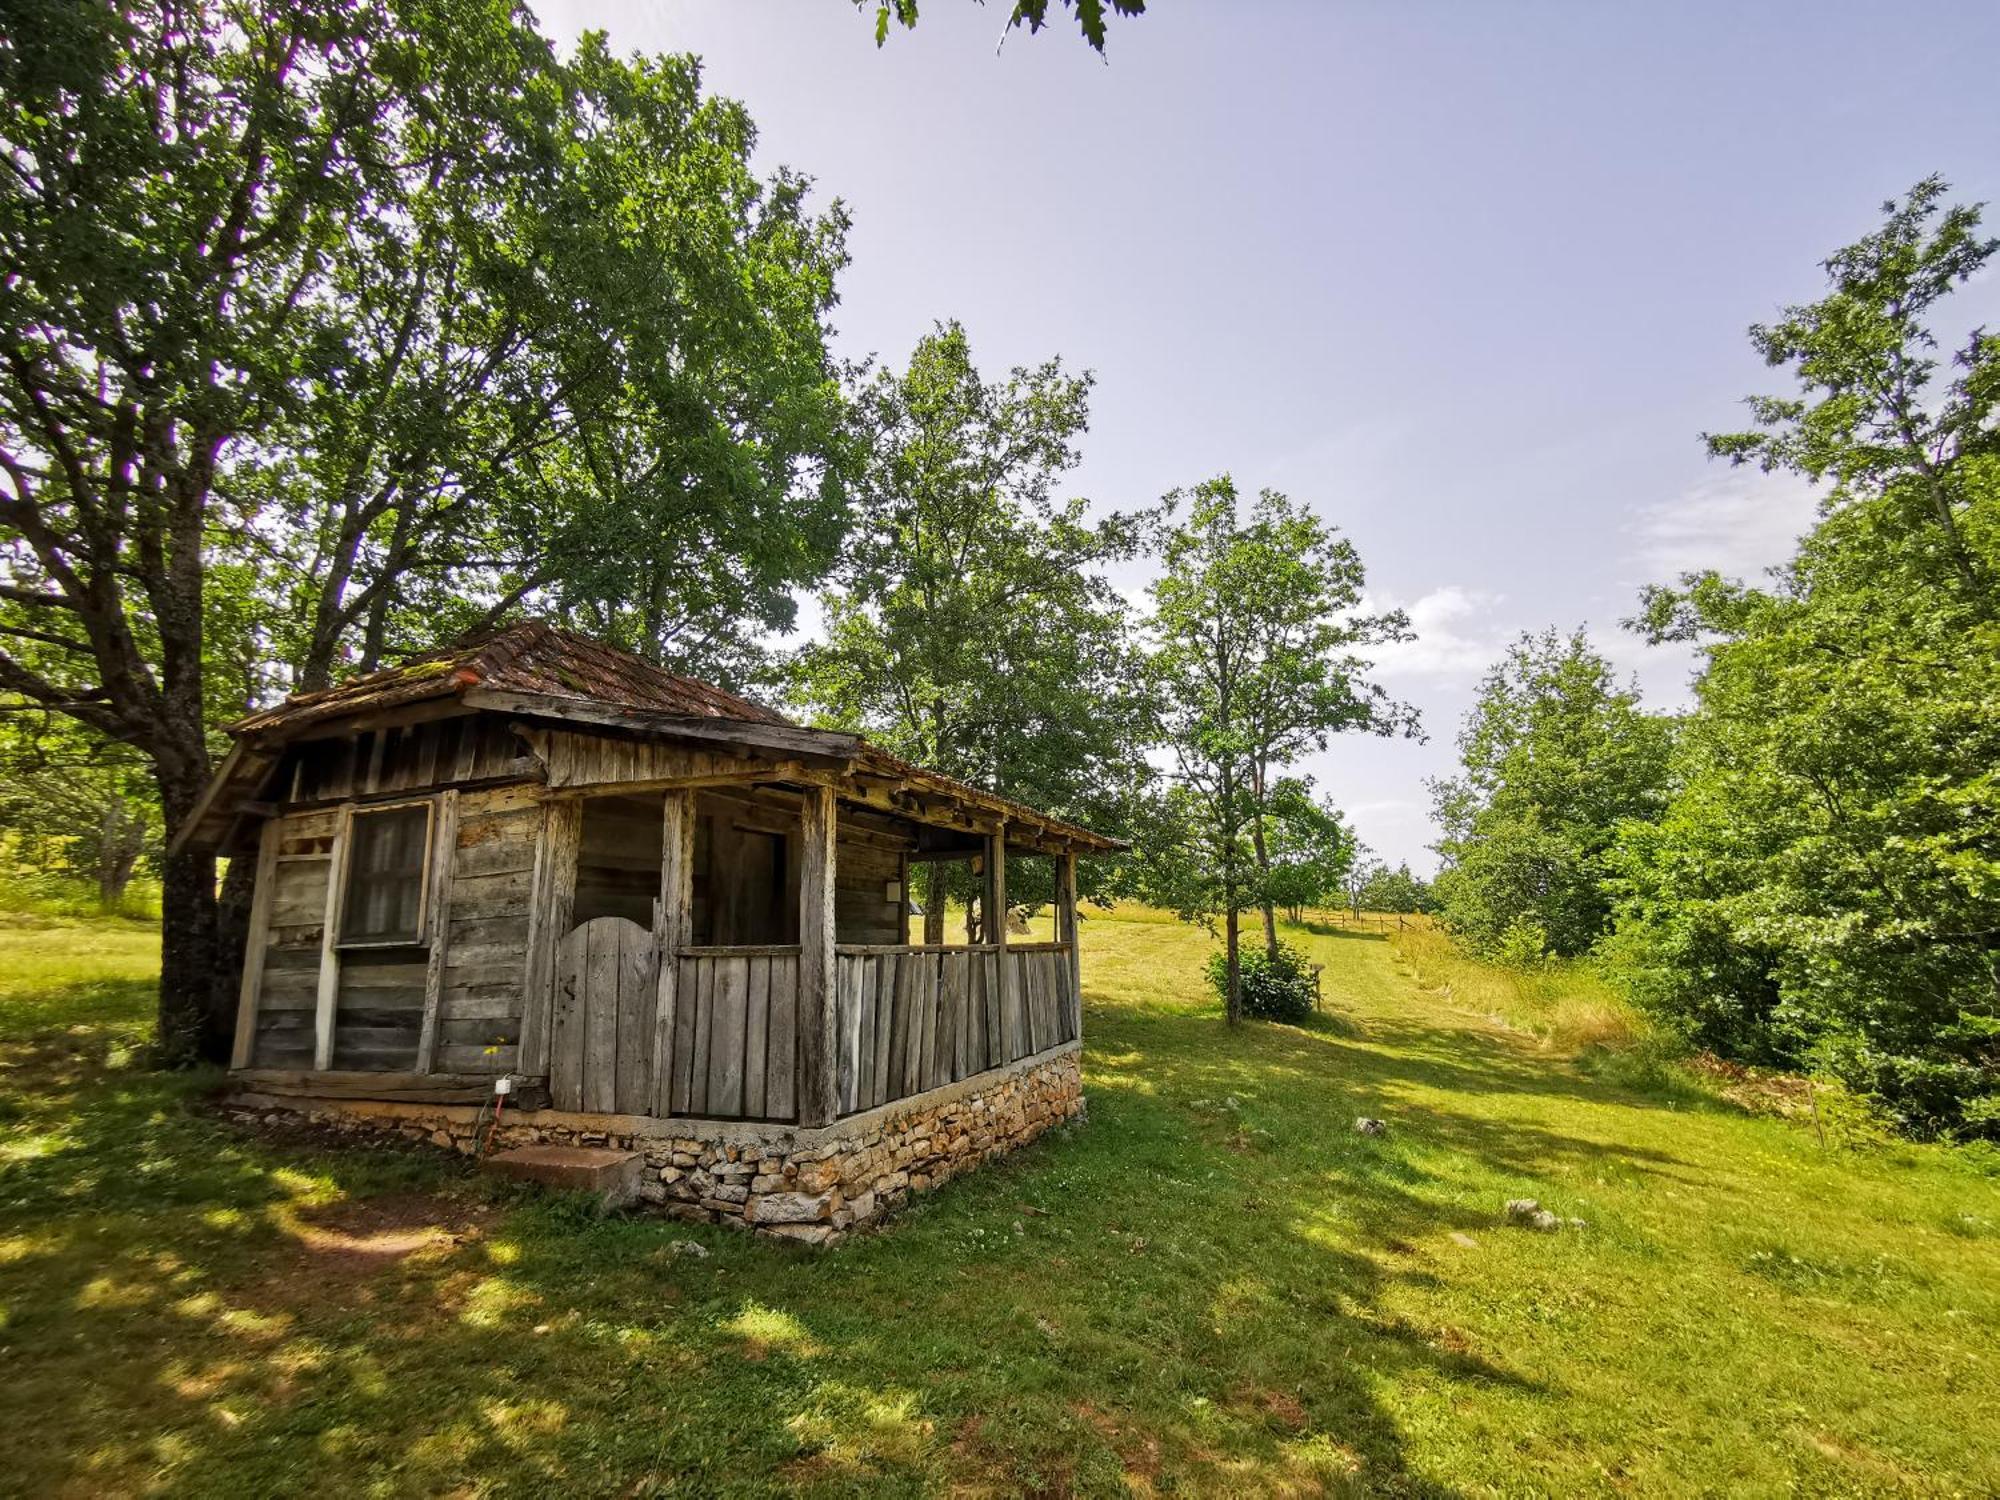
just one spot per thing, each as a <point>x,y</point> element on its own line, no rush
<point>459,989</point>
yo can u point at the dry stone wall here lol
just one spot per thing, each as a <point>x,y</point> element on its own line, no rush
<point>806,1185</point>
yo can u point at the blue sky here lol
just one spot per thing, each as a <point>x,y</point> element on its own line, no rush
<point>1469,279</point>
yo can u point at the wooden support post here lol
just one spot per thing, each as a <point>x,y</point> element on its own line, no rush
<point>552,898</point>
<point>1066,932</point>
<point>675,929</point>
<point>995,897</point>
<point>819,1078</point>
<point>254,944</point>
<point>444,851</point>
<point>329,941</point>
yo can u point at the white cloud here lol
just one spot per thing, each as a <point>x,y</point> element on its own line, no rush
<point>1456,635</point>
<point>1738,523</point>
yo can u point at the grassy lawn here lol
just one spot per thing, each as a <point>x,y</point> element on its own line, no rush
<point>1215,1286</point>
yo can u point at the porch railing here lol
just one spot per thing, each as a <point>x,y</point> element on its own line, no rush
<point>736,1034</point>
<point>907,1018</point>
<point>910,1018</point>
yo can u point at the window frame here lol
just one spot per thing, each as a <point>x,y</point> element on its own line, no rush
<point>345,874</point>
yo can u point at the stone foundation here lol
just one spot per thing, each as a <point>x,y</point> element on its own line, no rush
<point>808,1185</point>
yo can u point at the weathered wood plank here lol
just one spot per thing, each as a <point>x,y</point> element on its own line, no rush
<point>726,1038</point>
<point>756,1036</point>
<point>882,982</point>
<point>704,1027</point>
<point>548,921</point>
<point>1066,930</point>
<point>566,1022</point>
<point>688,1001</point>
<point>479,1060</point>
<point>263,893</point>
<point>996,933</point>
<point>951,1027</point>
<point>926,1032</point>
<point>600,1015</point>
<point>444,846</point>
<point>329,952</point>
<point>781,1069</point>
<point>499,853</point>
<point>638,993</point>
<point>868,971</point>
<point>299,896</point>
<point>459,1006</point>
<point>676,914</point>
<point>432,1088</point>
<point>819,1081</point>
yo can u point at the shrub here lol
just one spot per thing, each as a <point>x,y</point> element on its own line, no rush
<point>1273,990</point>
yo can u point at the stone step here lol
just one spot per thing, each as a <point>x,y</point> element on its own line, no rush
<point>582,1169</point>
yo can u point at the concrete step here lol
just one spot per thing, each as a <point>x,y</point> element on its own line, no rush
<point>579,1169</point>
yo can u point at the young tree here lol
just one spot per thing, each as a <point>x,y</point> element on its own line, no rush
<point>1255,661</point>
<point>1825,884</point>
<point>1555,754</point>
<point>1310,847</point>
<point>328,323</point>
<point>970,627</point>
<point>1360,876</point>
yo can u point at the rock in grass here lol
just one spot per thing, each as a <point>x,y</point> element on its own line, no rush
<point>1370,1127</point>
<point>1529,1214</point>
<point>688,1247</point>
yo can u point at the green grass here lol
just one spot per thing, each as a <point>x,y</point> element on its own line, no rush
<point>1214,1286</point>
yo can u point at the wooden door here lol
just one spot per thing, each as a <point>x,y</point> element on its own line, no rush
<point>601,1046</point>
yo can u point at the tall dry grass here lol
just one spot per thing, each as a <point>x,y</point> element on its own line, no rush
<point>1567,1005</point>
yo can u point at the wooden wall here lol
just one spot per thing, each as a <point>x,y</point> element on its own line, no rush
<point>486,931</point>
<point>905,1021</point>
<point>400,758</point>
<point>288,988</point>
<point>381,994</point>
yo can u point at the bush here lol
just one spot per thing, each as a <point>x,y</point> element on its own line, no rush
<point>1280,990</point>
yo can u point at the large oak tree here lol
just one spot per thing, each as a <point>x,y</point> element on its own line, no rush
<point>327,325</point>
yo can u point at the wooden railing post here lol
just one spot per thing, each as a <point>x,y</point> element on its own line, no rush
<point>819,1080</point>
<point>1066,932</point>
<point>996,917</point>
<point>673,931</point>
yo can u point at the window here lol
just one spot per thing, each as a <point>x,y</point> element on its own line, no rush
<point>385,875</point>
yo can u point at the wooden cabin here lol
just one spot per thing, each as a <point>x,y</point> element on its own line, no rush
<point>675,921</point>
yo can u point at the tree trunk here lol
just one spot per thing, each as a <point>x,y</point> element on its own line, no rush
<point>188,1030</point>
<point>1263,857</point>
<point>934,903</point>
<point>232,934</point>
<point>1232,923</point>
<point>192,1027</point>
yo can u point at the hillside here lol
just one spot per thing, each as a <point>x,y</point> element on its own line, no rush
<point>1216,1285</point>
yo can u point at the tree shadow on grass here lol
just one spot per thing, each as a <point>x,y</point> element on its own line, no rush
<point>1140,1299</point>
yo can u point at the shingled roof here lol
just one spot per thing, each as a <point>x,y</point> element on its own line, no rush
<point>532,657</point>
<point>537,671</point>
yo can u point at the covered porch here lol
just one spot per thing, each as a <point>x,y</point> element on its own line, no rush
<point>735,945</point>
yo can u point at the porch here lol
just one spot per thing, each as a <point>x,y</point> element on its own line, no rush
<point>740,952</point>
